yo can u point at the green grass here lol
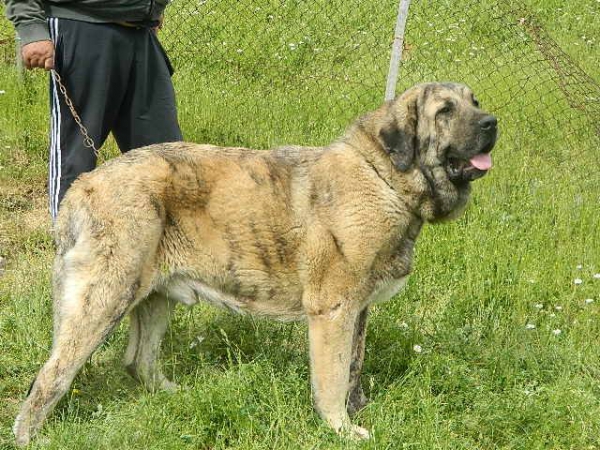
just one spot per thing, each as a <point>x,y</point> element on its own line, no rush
<point>484,379</point>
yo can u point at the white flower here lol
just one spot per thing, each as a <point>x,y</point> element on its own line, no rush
<point>197,340</point>
<point>2,92</point>
<point>579,267</point>
<point>417,348</point>
<point>539,305</point>
<point>530,326</point>
<point>558,308</point>
<point>98,411</point>
<point>552,315</point>
<point>588,301</point>
<point>597,276</point>
<point>577,281</point>
<point>556,332</point>
<point>403,325</point>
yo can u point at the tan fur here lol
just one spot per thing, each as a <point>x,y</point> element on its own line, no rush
<point>292,233</point>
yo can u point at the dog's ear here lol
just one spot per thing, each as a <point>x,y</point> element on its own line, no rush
<point>398,134</point>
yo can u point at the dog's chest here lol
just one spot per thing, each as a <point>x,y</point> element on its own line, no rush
<point>386,289</point>
<point>391,270</point>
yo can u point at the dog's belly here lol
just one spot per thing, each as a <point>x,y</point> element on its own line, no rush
<point>277,305</point>
<point>386,289</point>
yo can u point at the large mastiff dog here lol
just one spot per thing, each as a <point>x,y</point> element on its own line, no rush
<point>293,233</point>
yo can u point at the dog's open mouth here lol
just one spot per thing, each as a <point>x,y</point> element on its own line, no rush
<point>469,170</point>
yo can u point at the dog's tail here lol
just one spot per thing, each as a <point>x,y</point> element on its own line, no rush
<point>69,225</point>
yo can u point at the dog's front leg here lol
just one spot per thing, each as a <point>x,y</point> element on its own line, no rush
<point>331,331</point>
<point>357,398</point>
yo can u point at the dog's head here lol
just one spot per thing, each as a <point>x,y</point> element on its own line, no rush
<point>439,130</point>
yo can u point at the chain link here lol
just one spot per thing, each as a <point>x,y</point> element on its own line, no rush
<point>87,140</point>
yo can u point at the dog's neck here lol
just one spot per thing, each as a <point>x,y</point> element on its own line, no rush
<point>441,200</point>
<point>437,198</point>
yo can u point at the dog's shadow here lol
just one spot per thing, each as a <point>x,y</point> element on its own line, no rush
<point>203,338</point>
<point>199,338</point>
<point>225,339</point>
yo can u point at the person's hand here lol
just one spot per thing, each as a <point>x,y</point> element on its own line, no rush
<point>38,54</point>
<point>160,23</point>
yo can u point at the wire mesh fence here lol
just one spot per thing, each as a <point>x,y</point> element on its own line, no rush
<point>300,70</point>
<point>319,61</point>
<point>7,39</point>
<point>514,64</point>
<point>330,60</point>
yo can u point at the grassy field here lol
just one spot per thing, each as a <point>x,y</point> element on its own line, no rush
<point>504,303</point>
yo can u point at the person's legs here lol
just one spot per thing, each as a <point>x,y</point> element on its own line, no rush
<point>94,62</point>
<point>148,114</point>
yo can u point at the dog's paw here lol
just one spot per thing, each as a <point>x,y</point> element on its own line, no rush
<point>161,384</point>
<point>21,432</point>
<point>169,386</point>
<point>152,380</point>
<point>347,430</point>
<point>355,433</point>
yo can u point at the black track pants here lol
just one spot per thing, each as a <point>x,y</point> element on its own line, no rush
<point>119,80</point>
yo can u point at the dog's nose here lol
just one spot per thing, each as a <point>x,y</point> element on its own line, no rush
<point>488,123</point>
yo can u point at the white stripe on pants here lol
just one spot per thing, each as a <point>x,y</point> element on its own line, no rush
<point>55,147</point>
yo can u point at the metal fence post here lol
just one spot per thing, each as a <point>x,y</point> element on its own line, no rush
<point>18,58</point>
<point>396,57</point>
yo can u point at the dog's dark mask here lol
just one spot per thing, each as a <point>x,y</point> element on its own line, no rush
<point>439,124</point>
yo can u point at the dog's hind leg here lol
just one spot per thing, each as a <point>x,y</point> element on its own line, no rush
<point>89,310</point>
<point>149,321</point>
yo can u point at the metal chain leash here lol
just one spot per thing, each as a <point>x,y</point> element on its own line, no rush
<point>87,140</point>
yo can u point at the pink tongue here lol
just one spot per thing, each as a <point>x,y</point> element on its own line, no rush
<point>482,161</point>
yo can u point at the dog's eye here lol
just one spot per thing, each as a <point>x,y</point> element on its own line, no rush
<point>446,109</point>
<point>475,102</point>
